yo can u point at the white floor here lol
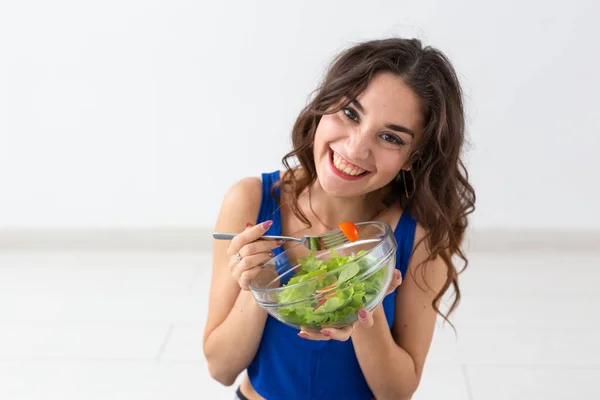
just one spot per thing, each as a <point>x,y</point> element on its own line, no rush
<point>129,326</point>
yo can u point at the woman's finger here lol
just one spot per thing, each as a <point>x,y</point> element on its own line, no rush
<point>260,246</point>
<point>239,266</point>
<point>311,335</point>
<point>340,334</point>
<point>396,281</point>
<point>247,276</point>
<point>249,235</point>
<point>365,319</point>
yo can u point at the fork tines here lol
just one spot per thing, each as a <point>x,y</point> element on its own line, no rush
<point>334,239</point>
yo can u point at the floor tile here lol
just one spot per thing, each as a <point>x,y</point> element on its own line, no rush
<point>531,273</point>
<point>185,343</point>
<point>540,383</point>
<point>108,380</point>
<point>134,306</point>
<point>82,340</point>
<point>510,346</point>
<point>81,272</point>
<point>519,311</point>
<point>442,382</point>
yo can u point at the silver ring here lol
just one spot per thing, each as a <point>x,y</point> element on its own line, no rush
<point>238,257</point>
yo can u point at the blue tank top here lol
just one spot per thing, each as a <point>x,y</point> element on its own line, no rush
<point>287,367</point>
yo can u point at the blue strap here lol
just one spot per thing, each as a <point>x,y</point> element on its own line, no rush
<point>405,239</point>
<point>269,210</point>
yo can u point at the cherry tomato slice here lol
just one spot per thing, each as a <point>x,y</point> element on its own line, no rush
<point>330,295</point>
<point>320,303</point>
<point>326,288</point>
<point>349,230</point>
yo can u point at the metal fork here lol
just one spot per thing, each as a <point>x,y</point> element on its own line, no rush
<point>326,241</point>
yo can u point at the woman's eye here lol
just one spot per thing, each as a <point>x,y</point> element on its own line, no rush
<point>388,137</point>
<point>350,113</point>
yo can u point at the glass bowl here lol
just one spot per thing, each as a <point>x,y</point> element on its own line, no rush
<point>311,290</point>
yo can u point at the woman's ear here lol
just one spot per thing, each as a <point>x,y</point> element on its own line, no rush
<point>414,157</point>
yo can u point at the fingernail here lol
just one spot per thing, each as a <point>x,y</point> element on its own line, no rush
<point>280,242</point>
<point>267,224</point>
<point>303,335</point>
<point>271,254</point>
<point>362,313</point>
<point>326,333</point>
<point>248,224</point>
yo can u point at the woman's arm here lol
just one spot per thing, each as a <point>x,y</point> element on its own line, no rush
<point>392,362</point>
<point>235,322</point>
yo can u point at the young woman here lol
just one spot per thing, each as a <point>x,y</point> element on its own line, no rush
<point>381,140</point>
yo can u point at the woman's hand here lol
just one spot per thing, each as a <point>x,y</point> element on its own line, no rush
<point>247,253</point>
<point>365,320</point>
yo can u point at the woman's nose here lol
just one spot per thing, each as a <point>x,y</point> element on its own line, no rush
<point>357,146</point>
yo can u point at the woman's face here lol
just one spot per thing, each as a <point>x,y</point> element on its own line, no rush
<point>363,147</point>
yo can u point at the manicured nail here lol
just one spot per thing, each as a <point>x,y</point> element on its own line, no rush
<point>280,242</point>
<point>303,335</point>
<point>326,333</point>
<point>267,224</point>
<point>362,313</point>
<point>248,224</point>
<point>271,254</point>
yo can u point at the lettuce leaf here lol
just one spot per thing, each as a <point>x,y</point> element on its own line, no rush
<point>335,307</point>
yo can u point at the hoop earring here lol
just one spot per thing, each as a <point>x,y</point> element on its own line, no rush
<point>405,185</point>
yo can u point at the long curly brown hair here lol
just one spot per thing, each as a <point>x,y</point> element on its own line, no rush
<point>437,194</point>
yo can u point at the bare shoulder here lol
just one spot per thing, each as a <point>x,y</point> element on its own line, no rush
<point>241,202</point>
<point>247,189</point>
<point>432,277</point>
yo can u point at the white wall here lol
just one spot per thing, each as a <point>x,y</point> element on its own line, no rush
<point>141,113</point>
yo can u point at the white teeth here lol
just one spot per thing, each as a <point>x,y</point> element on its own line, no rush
<point>345,167</point>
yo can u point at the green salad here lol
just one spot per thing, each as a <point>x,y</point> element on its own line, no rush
<point>333,307</point>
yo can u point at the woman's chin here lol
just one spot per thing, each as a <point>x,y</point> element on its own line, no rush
<point>334,187</point>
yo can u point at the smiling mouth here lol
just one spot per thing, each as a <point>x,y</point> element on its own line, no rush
<point>344,168</point>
